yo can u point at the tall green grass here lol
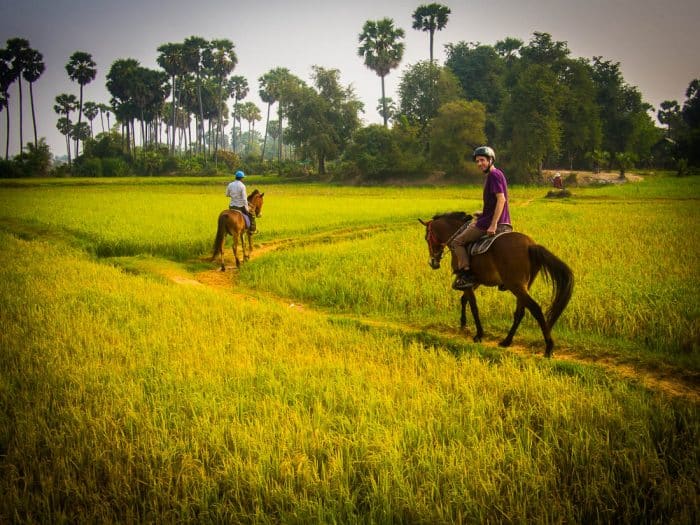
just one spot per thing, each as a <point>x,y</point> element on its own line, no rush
<point>128,400</point>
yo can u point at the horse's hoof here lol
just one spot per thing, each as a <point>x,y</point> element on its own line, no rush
<point>476,338</point>
<point>223,269</point>
<point>505,343</point>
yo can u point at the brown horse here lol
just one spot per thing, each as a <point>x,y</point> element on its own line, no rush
<point>511,263</point>
<point>231,222</point>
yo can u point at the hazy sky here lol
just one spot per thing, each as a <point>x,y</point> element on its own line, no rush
<point>655,42</point>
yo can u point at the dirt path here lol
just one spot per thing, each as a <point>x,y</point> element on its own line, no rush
<point>667,380</point>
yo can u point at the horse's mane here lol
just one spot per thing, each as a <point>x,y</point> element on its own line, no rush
<point>454,216</point>
<point>255,192</point>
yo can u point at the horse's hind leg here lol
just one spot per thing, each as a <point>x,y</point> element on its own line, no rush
<point>235,251</point>
<point>221,253</point>
<point>469,297</point>
<point>246,256</point>
<point>526,301</point>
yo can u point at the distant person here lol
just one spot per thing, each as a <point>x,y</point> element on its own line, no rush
<point>494,217</point>
<point>239,198</point>
<point>557,182</point>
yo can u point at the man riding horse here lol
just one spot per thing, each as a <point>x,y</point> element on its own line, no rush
<point>494,217</point>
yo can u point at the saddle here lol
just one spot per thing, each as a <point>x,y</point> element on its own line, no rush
<point>245,216</point>
<point>482,245</point>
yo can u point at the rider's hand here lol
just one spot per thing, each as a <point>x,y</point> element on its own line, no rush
<point>491,231</point>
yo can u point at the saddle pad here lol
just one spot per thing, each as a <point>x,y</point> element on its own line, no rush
<point>245,217</point>
<point>483,244</point>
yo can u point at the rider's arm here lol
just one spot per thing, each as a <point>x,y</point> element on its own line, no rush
<point>500,204</point>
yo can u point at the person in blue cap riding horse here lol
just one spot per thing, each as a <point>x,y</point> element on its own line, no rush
<point>239,198</point>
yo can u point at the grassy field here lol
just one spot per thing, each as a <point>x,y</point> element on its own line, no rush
<point>129,396</point>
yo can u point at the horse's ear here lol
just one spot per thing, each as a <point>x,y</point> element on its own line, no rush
<point>262,194</point>
<point>423,223</point>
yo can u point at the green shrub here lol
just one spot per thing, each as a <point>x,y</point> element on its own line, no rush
<point>9,169</point>
<point>115,167</point>
<point>88,167</point>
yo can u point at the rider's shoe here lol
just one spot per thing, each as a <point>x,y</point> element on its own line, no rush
<point>465,279</point>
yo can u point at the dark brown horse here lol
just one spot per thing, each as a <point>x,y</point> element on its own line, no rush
<point>511,263</point>
<point>231,222</point>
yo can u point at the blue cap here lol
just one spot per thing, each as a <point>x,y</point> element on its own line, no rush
<point>240,174</point>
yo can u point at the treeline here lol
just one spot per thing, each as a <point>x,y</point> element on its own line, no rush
<point>538,106</point>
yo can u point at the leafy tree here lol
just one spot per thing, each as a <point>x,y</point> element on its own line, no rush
<point>250,113</point>
<point>690,140</point>
<point>81,68</point>
<point>321,121</point>
<point>455,131</point>
<point>481,74</point>
<point>431,18</point>
<point>626,124</point>
<point>387,104</point>
<point>580,119</point>
<point>424,87</point>
<point>531,125</point>
<point>669,114</point>
<point>36,161</point>
<point>382,49</point>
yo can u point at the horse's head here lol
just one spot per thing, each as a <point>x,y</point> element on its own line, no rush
<point>439,231</point>
<point>255,202</point>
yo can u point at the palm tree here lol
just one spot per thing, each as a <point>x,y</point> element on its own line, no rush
<point>250,113</point>
<point>82,69</point>
<point>237,87</point>
<point>431,18</point>
<point>34,67</point>
<point>91,111</point>
<point>172,60</point>
<point>268,97</point>
<point>381,49</point>
<point>17,52</point>
<point>64,105</point>
<point>194,46</point>
<point>5,83</point>
<point>220,59</point>
<point>65,127</point>
<point>104,108</point>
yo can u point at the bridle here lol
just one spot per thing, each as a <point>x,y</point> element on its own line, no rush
<point>436,248</point>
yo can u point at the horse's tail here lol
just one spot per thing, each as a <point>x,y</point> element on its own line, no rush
<point>561,276</point>
<point>220,235</point>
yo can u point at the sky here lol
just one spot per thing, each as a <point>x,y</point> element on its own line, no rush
<point>654,42</point>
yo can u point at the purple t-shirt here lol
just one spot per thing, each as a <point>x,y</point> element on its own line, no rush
<point>495,183</point>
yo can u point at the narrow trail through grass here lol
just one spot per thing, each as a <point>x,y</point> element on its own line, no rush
<point>668,380</point>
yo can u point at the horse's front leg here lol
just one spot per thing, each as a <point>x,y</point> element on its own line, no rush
<point>469,297</point>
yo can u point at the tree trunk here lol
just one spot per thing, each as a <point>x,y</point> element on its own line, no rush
<point>279,134</point>
<point>267,122</point>
<point>384,103</point>
<point>80,116</point>
<point>21,137</point>
<point>31,98</point>
<point>7,137</point>
<point>432,34</point>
